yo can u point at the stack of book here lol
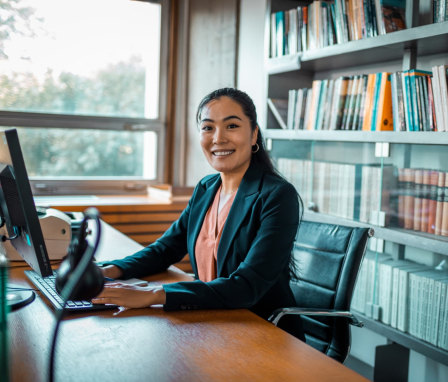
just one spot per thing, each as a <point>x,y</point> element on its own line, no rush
<point>411,297</point>
<point>350,191</point>
<point>423,200</point>
<point>324,23</point>
<point>412,100</point>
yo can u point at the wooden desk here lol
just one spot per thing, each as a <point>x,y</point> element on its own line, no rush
<point>154,345</point>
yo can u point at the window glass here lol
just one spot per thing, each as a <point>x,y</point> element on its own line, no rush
<point>69,154</point>
<point>80,57</point>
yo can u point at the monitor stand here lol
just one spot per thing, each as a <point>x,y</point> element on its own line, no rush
<point>18,296</point>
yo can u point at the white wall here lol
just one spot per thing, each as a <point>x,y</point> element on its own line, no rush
<point>211,65</point>
<point>250,68</point>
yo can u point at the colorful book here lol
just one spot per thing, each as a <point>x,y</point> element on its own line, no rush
<point>390,15</point>
<point>368,110</point>
<point>384,117</point>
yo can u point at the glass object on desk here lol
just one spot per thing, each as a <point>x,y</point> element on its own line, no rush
<point>81,57</point>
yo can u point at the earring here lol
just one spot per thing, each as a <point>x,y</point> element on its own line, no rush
<point>256,148</point>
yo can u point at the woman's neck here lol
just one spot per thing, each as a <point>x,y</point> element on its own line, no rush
<point>230,183</point>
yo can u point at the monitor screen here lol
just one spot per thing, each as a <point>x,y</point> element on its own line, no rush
<point>18,215</point>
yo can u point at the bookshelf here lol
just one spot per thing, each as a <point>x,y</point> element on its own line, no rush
<point>299,152</point>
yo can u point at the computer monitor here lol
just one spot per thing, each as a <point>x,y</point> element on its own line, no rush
<point>17,209</point>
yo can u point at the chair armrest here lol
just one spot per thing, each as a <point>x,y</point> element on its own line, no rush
<point>279,313</point>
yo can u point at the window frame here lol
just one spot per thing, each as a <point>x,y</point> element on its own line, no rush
<point>120,185</point>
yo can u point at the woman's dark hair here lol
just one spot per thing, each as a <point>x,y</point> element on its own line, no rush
<point>261,157</point>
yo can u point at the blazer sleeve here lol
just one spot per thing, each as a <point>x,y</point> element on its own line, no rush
<point>157,257</point>
<point>268,258</point>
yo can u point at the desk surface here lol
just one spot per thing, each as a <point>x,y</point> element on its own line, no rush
<point>153,345</point>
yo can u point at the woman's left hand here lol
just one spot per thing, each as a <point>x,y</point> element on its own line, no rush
<point>130,296</point>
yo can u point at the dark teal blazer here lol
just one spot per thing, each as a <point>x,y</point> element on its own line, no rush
<point>253,253</point>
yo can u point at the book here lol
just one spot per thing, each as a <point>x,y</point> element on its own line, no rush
<point>345,111</point>
<point>442,338</point>
<point>328,103</point>
<point>321,105</point>
<point>437,99</point>
<point>408,197</point>
<point>395,90</point>
<point>353,122</point>
<point>357,124</point>
<point>432,110</point>
<point>280,34</point>
<point>444,226</point>
<point>439,202</point>
<point>376,93</point>
<point>367,118</point>
<point>425,200</point>
<point>404,295</point>
<point>397,266</point>
<point>415,104</point>
<point>435,284</point>
<point>316,89</point>
<point>340,94</point>
<point>432,203</point>
<point>444,94</point>
<point>279,108</point>
<point>292,97</point>
<point>390,15</point>
<point>407,102</point>
<point>350,112</point>
<point>384,117</point>
<point>418,186</point>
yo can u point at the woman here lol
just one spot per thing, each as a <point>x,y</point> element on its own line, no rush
<point>239,226</point>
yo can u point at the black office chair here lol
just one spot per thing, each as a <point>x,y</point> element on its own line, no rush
<point>328,258</point>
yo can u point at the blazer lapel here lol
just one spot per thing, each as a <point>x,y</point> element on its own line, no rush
<point>247,193</point>
<point>204,197</point>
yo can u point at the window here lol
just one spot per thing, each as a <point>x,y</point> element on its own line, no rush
<point>82,81</point>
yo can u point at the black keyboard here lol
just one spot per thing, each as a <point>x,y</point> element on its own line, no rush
<point>46,286</point>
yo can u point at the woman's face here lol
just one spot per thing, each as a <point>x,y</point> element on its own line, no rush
<point>226,136</point>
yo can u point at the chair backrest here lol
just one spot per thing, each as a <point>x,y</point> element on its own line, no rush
<point>328,258</point>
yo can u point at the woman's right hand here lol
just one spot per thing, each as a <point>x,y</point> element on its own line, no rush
<point>111,271</point>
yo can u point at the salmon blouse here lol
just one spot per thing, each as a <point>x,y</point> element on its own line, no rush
<point>206,249</point>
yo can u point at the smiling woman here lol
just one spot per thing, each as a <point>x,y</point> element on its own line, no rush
<point>226,139</point>
<point>238,228</point>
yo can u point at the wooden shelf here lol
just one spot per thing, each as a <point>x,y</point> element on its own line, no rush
<point>428,242</point>
<point>404,137</point>
<point>405,339</point>
<point>427,39</point>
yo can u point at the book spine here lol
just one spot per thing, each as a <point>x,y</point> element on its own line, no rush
<point>385,115</point>
<point>376,93</point>
<point>400,197</point>
<point>408,197</point>
<point>432,110</point>
<point>407,101</point>
<point>417,221</point>
<point>443,82</point>
<point>444,227</point>
<point>439,202</point>
<point>432,201</point>
<point>425,188</point>
<point>443,318</point>
<point>367,118</point>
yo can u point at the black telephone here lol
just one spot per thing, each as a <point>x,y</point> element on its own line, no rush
<point>91,282</point>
